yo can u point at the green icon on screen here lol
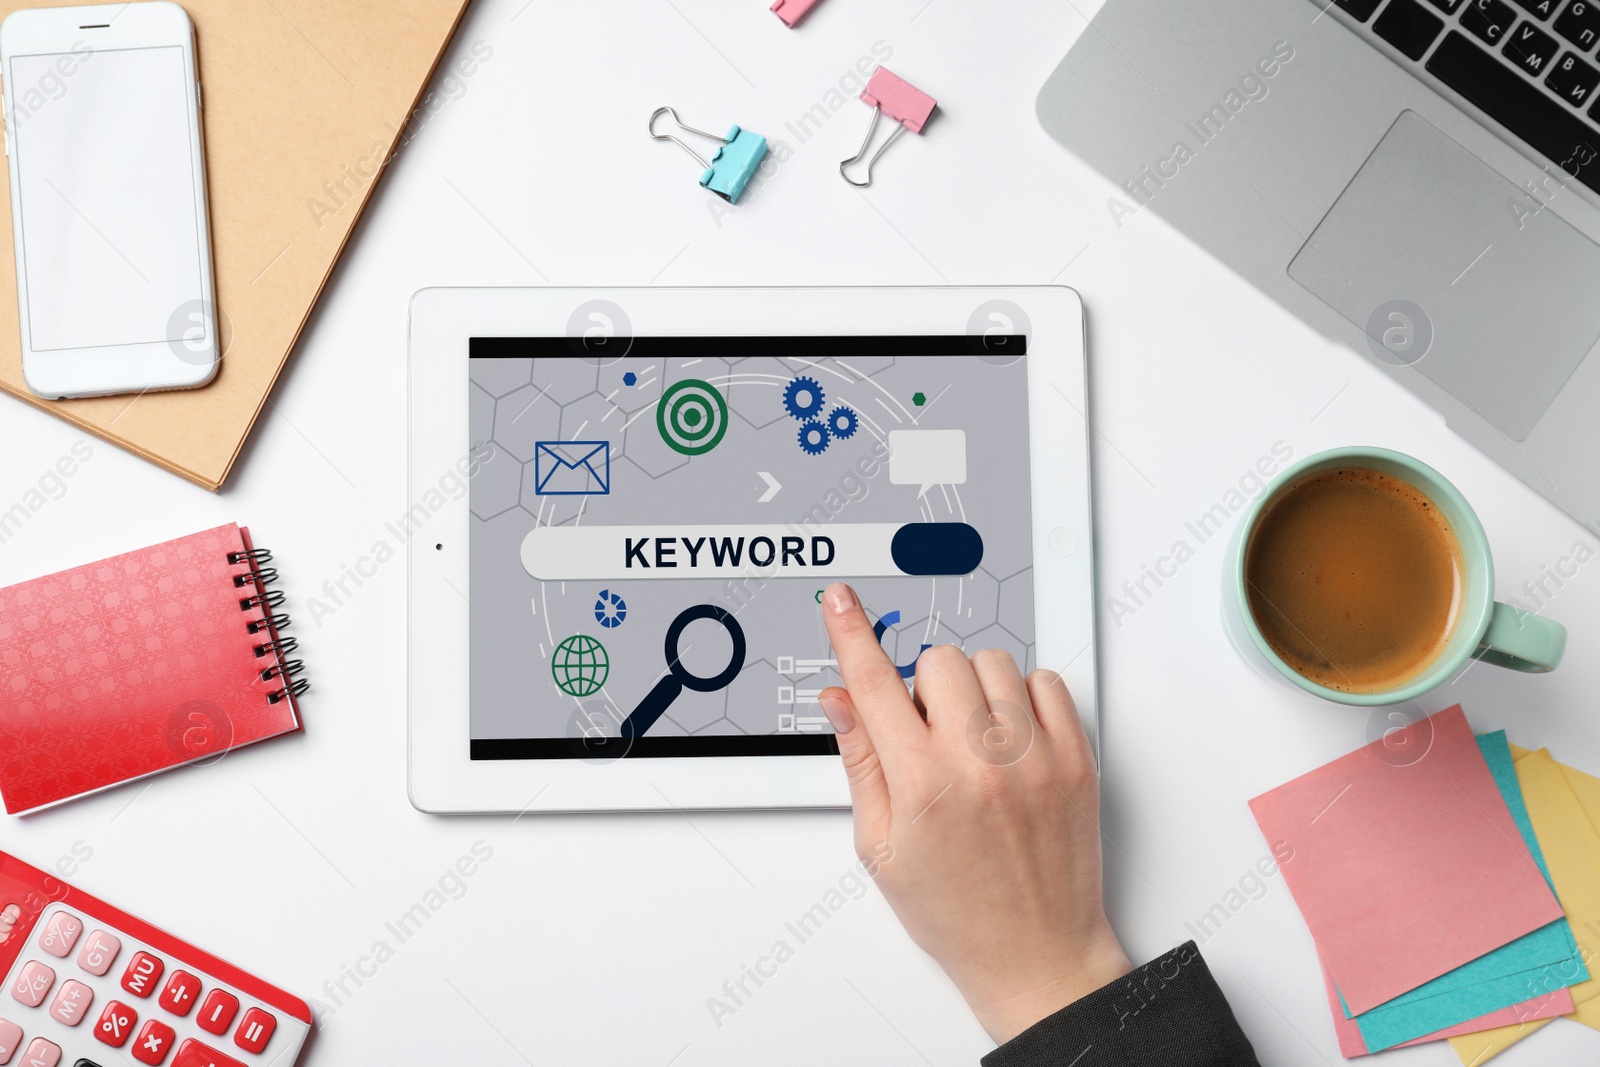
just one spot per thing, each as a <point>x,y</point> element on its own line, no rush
<point>580,666</point>
<point>692,417</point>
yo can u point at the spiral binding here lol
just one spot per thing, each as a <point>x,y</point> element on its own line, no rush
<point>261,574</point>
<point>281,646</point>
<point>284,670</point>
<point>273,598</point>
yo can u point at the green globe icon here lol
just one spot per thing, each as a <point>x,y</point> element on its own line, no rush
<point>580,666</point>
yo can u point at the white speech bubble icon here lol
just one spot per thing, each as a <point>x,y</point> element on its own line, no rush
<point>926,458</point>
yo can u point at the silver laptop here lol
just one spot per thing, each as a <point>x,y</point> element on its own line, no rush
<point>1419,178</point>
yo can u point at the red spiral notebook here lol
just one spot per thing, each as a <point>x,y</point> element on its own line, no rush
<point>138,663</point>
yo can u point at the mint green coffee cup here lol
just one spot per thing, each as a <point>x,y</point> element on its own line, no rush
<point>1485,630</point>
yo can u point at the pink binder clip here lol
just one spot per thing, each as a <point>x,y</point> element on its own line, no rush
<point>905,104</point>
<point>792,11</point>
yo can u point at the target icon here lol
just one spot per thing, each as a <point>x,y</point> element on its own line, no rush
<point>692,417</point>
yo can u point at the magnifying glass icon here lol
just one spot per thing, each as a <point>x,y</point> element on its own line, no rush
<point>678,677</point>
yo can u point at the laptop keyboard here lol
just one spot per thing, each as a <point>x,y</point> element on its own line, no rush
<point>1530,65</point>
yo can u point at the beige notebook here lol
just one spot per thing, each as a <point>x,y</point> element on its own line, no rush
<point>303,101</point>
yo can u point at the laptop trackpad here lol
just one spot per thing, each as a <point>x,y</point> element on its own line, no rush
<point>1448,266</point>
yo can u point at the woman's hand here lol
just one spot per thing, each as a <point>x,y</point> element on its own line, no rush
<point>981,820</point>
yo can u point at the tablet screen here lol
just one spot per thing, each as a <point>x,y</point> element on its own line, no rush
<point>653,525</point>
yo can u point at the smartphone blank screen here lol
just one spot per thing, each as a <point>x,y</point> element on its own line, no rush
<point>109,219</point>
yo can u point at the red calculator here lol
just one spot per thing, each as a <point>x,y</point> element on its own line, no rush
<point>89,986</point>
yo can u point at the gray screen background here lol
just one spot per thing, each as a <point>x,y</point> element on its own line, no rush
<point>517,620</point>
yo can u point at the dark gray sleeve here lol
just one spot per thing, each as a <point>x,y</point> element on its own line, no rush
<point>1168,1013</point>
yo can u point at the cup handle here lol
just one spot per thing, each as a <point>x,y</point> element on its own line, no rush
<point>1522,641</point>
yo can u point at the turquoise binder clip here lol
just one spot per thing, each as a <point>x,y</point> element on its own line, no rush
<point>733,165</point>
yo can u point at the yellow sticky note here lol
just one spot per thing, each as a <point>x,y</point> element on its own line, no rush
<point>1586,787</point>
<point>1478,1048</point>
<point>1571,846</point>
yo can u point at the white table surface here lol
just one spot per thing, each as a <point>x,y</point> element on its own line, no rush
<point>601,939</point>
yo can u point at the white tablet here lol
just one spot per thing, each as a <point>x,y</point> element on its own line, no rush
<point>624,504</point>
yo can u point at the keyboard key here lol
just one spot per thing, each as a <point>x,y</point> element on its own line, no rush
<point>1408,26</point>
<point>194,1054</point>
<point>115,1024</point>
<point>143,972</point>
<point>1543,8</point>
<point>1488,19</point>
<point>10,1038</point>
<point>182,990</point>
<point>1359,9</point>
<point>1523,108</point>
<point>72,1003</point>
<point>153,1042</point>
<point>255,1031</point>
<point>1580,24</point>
<point>99,952</point>
<point>1573,79</point>
<point>41,1053</point>
<point>33,984</point>
<point>1447,5</point>
<point>60,934</point>
<point>218,1011</point>
<point>1531,48</point>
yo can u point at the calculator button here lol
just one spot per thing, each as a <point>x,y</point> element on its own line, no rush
<point>153,1042</point>
<point>33,984</point>
<point>143,972</point>
<point>179,996</point>
<point>218,1011</point>
<point>194,1054</point>
<point>60,934</point>
<point>10,1038</point>
<point>41,1053</point>
<point>255,1031</point>
<point>99,952</point>
<point>72,1003</point>
<point>115,1024</point>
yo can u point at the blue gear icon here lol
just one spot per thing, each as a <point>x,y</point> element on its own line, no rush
<point>842,422</point>
<point>803,398</point>
<point>814,438</point>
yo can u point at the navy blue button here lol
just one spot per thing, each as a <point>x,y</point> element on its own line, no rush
<point>928,548</point>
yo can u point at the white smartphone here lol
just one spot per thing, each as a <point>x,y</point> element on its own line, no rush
<point>108,199</point>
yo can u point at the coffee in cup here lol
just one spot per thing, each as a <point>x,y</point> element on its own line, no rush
<point>1363,576</point>
<point>1354,578</point>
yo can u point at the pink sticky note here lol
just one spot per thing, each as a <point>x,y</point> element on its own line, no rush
<point>1405,866</point>
<point>1548,1006</point>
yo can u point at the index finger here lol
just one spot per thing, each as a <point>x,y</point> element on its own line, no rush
<point>875,686</point>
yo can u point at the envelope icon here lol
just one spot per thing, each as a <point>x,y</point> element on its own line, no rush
<point>572,468</point>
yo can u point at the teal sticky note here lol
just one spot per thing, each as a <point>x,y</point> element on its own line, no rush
<point>1534,965</point>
